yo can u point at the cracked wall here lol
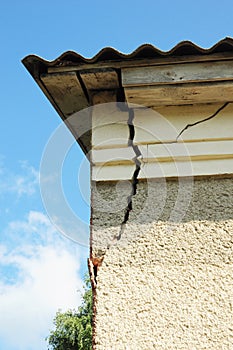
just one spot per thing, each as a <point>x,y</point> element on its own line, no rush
<point>166,284</point>
<point>168,141</point>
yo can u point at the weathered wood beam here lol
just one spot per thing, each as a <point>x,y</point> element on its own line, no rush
<point>100,79</point>
<point>67,95</point>
<point>180,94</point>
<point>177,74</point>
<point>104,96</point>
<point>66,91</point>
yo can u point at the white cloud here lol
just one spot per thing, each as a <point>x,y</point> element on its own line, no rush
<point>23,183</point>
<point>47,280</point>
<point>36,228</point>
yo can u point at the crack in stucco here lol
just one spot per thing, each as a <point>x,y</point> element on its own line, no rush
<point>96,262</point>
<point>203,120</point>
<point>134,180</point>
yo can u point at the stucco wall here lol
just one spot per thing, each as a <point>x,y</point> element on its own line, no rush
<point>167,283</point>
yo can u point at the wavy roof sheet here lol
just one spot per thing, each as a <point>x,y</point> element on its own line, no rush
<point>184,48</point>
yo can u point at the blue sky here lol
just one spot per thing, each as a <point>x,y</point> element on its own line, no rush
<point>40,270</point>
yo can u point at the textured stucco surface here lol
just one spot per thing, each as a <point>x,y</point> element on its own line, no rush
<point>168,282</point>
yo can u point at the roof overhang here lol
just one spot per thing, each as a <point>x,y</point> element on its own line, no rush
<point>185,75</point>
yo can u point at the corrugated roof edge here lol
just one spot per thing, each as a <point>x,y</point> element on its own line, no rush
<point>183,48</point>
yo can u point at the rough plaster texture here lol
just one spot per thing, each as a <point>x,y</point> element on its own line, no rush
<point>168,282</point>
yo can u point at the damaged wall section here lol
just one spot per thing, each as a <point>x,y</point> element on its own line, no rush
<point>161,260</point>
<point>166,284</point>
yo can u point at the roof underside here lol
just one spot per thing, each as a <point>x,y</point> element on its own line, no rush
<point>147,76</point>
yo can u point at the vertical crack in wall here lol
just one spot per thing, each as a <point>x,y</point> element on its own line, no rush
<point>134,180</point>
<point>96,261</point>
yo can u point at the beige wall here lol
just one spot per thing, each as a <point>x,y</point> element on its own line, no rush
<point>204,149</point>
<point>167,283</point>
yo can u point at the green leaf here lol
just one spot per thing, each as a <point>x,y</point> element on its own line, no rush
<point>73,328</point>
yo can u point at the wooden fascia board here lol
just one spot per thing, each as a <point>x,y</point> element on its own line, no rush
<point>186,83</point>
<point>183,73</point>
<point>180,94</point>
